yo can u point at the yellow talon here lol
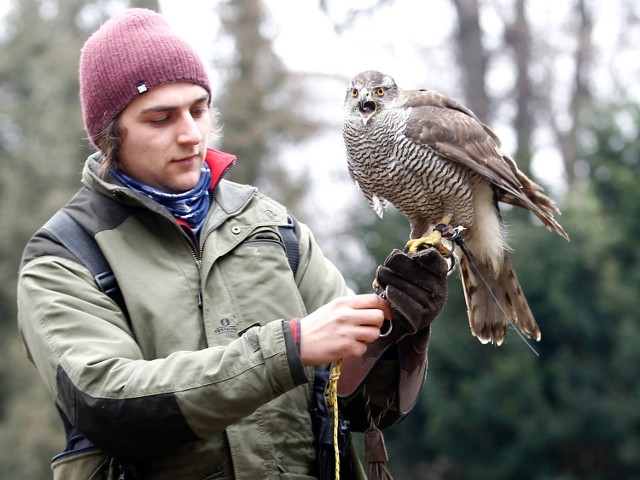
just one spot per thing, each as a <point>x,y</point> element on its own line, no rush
<point>434,240</point>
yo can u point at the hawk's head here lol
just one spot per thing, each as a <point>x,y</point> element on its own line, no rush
<point>368,93</point>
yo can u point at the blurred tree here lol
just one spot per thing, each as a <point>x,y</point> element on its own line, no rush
<point>580,96</point>
<point>535,101</point>
<point>518,36</point>
<point>42,149</point>
<point>262,106</point>
<point>473,57</point>
<point>41,126</point>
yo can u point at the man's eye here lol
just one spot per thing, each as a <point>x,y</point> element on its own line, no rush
<point>199,112</point>
<point>159,121</point>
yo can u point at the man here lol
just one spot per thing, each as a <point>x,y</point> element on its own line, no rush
<point>207,368</point>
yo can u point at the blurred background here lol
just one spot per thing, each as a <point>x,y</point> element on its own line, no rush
<point>557,80</point>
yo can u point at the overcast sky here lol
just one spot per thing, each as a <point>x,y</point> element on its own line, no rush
<point>306,40</point>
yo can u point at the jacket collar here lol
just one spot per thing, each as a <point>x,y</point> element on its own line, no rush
<point>219,164</point>
<point>230,198</point>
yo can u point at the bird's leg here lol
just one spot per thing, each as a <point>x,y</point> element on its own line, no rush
<point>449,232</point>
<point>433,240</point>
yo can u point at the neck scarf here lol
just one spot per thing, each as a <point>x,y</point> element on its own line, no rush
<point>191,206</point>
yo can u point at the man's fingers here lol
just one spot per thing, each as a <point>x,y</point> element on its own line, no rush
<point>371,301</point>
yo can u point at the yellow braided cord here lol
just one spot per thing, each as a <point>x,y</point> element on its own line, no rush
<point>333,401</point>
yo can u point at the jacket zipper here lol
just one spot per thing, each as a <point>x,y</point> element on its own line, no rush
<point>197,259</point>
<point>197,254</point>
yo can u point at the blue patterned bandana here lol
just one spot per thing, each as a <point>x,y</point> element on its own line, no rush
<point>190,206</point>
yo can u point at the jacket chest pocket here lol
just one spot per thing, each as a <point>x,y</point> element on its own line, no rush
<point>261,253</point>
<point>253,283</point>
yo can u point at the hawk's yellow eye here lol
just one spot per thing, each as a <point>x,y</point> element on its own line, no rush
<point>380,92</point>
<point>354,92</point>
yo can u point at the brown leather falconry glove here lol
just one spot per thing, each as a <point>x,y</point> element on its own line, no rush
<point>416,287</point>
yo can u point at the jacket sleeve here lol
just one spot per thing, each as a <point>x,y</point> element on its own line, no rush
<point>86,353</point>
<point>318,279</point>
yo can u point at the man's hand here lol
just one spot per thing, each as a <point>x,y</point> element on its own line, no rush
<point>342,328</point>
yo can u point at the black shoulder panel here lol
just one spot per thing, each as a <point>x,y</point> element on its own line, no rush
<point>93,211</point>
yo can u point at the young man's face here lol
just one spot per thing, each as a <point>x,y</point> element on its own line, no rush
<point>164,136</point>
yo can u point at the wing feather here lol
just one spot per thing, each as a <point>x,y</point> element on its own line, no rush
<point>454,132</point>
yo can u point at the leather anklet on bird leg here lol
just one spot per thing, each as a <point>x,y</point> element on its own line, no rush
<point>454,235</point>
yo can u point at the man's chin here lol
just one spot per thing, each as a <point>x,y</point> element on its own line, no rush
<point>184,183</point>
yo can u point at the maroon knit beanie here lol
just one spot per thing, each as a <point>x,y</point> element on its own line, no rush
<point>131,53</point>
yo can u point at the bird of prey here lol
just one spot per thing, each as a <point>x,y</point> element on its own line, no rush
<point>439,165</point>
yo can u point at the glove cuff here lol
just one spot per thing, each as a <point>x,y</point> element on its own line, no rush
<point>412,360</point>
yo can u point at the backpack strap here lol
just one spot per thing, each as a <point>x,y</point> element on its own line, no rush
<point>77,240</point>
<point>290,238</point>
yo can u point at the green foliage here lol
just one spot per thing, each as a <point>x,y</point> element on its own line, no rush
<point>501,412</point>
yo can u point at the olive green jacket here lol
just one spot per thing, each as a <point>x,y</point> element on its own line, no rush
<point>200,378</point>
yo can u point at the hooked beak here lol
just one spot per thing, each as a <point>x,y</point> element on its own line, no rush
<point>366,105</point>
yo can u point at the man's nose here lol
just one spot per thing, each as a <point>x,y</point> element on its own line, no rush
<point>189,130</point>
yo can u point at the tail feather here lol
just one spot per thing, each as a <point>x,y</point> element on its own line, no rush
<point>535,200</point>
<point>488,319</point>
